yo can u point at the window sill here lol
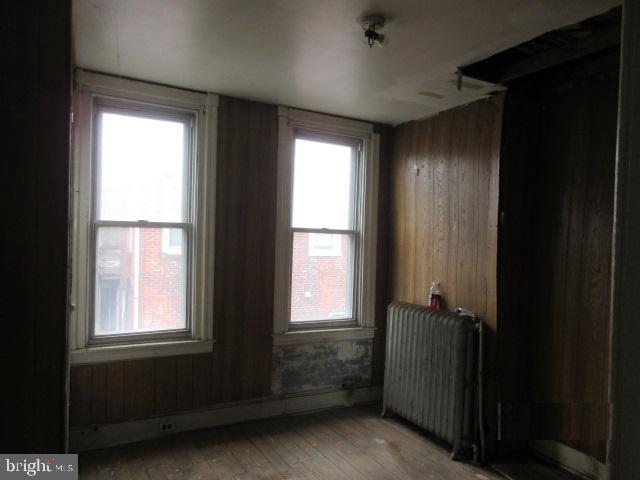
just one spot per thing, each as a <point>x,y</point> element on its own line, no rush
<point>112,353</point>
<point>295,337</point>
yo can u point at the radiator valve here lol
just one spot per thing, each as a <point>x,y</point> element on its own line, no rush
<point>464,311</point>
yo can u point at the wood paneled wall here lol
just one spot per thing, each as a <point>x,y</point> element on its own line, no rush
<point>557,198</point>
<point>34,185</point>
<point>624,444</point>
<point>382,271</point>
<point>444,208</point>
<point>245,249</point>
<point>240,366</point>
<point>444,215</point>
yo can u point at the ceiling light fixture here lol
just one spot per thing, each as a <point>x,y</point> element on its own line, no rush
<point>370,24</point>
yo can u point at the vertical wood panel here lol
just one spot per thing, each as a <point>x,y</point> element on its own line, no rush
<point>245,247</point>
<point>80,397</point>
<point>442,207</point>
<point>34,184</point>
<point>261,184</point>
<point>115,392</point>
<point>230,240</point>
<point>451,159</point>
<point>624,461</point>
<point>468,229</point>
<point>139,389</point>
<point>184,382</point>
<point>444,216</point>
<point>444,177</point>
<point>423,201</point>
<point>99,394</point>
<point>165,385</point>
<point>203,380</point>
<point>555,278</point>
<point>402,211</point>
<point>383,254</point>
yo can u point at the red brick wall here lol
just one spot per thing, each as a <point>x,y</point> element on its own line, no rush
<point>161,284</point>
<point>319,283</point>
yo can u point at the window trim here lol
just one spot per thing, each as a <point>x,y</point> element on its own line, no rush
<point>199,337</point>
<point>363,326</point>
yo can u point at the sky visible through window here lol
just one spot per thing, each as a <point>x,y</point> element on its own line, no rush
<point>141,169</point>
<point>322,185</point>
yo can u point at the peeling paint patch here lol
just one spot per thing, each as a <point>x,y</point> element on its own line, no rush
<point>342,364</point>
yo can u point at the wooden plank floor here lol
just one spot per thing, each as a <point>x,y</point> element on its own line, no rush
<point>345,444</point>
<point>528,468</point>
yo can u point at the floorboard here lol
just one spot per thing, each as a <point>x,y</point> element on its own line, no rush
<point>346,444</point>
<point>531,469</point>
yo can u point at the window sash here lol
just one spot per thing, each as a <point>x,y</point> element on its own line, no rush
<point>335,139</point>
<point>152,112</point>
<point>353,282</point>
<point>337,231</point>
<point>153,335</point>
<point>355,221</point>
<point>102,104</point>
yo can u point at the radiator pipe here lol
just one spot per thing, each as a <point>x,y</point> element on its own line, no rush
<point>481,388</point>
<point>479,325</point>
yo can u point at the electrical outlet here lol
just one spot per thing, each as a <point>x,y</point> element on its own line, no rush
<point>166,427</point>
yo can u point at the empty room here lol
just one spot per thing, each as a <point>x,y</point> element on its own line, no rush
<point>340,239</point>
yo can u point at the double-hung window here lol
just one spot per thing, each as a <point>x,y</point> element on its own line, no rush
<point>142,177</point>
<point>324,229</point>
<point>326,232</point>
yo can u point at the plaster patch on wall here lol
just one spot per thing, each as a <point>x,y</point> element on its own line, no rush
<point>299,368</point>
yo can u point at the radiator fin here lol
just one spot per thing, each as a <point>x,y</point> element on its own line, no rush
<point>429,370</point>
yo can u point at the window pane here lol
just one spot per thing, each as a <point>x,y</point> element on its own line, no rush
<point>139,286</point>
<point>172,241</point>
<point>141,169</point>
<point>321,277</point>
<point>322,185</point>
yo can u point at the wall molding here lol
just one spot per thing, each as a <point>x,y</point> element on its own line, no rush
<point>118,353</point>
<point>295,337</point>
<point>109,435</point>
<point>570,459</point>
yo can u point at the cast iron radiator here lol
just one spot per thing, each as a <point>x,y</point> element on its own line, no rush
<point>431,372</point>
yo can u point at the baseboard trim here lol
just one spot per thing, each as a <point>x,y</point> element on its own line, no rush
<point>570,459</point>
<point>110,435</point>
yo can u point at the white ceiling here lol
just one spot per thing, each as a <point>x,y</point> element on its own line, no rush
<point>310,54</point>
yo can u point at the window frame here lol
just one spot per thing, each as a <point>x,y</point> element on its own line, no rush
<point>295,124</point>
<point>353,231</point>
<point>96,93</point>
